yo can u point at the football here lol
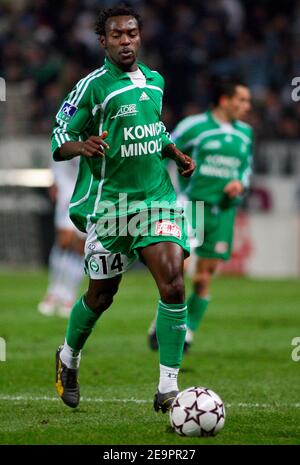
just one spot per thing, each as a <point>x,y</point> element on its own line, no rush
<point>197,411</point>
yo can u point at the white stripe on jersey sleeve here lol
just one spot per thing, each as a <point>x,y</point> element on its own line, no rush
<point>188,123</point>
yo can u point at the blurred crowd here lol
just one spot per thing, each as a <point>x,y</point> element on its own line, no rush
<point>46,46</point>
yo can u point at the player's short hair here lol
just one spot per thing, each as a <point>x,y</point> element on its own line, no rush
<point>122,9</point>
<point>225,86</point>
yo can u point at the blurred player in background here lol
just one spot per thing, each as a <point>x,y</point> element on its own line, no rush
<point>66,263</point>
<point>111,119</point>
<point>221,146</point>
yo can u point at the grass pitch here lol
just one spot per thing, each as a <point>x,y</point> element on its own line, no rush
<point>242,351</point>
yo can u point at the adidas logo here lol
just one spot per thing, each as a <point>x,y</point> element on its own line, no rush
<point>143,97</point>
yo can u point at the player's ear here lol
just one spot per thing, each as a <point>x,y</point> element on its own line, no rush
<point>223,100</point>
<point>102,41</point>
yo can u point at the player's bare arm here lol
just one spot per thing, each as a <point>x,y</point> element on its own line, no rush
<point>185,164</point>
<point>94,146</point>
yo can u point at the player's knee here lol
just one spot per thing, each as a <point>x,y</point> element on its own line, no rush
<point>200,286</point>
<point>99,302</point>
<point>173,291</point>
<point>201,282</point>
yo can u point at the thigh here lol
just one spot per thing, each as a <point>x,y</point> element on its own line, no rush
<point>164,260</point>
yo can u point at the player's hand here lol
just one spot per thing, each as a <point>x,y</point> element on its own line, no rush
<point>186,165</point>
<point>94,146</point>
<point>233,189</point>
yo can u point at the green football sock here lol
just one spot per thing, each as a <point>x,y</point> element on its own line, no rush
<point>170,331</point>
<point>196,309</point>
<point>81,322</point>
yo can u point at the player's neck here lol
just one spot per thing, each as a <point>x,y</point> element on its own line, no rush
<point>220,115</point>
<point>125,68</point>
<point>131,69</point>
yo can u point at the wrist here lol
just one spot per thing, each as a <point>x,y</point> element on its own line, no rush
<point>170,151</point>
<point>71,150</point>
<point>78,148</point>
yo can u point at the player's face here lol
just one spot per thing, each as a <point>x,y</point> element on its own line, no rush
<point>239,104</point>
<point>122,41</point>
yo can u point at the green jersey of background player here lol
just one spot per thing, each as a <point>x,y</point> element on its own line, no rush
<point>221,146</point>
<point>111,119</point>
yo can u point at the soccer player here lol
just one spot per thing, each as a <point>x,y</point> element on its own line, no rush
<point>221,145</point>
<point>66,261</point>
<point>111,119</point>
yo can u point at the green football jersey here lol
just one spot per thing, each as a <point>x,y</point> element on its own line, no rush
<point>222,153</point>
<point>107,100</point>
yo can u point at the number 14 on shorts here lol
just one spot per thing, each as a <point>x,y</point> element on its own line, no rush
<point>107,265</point>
